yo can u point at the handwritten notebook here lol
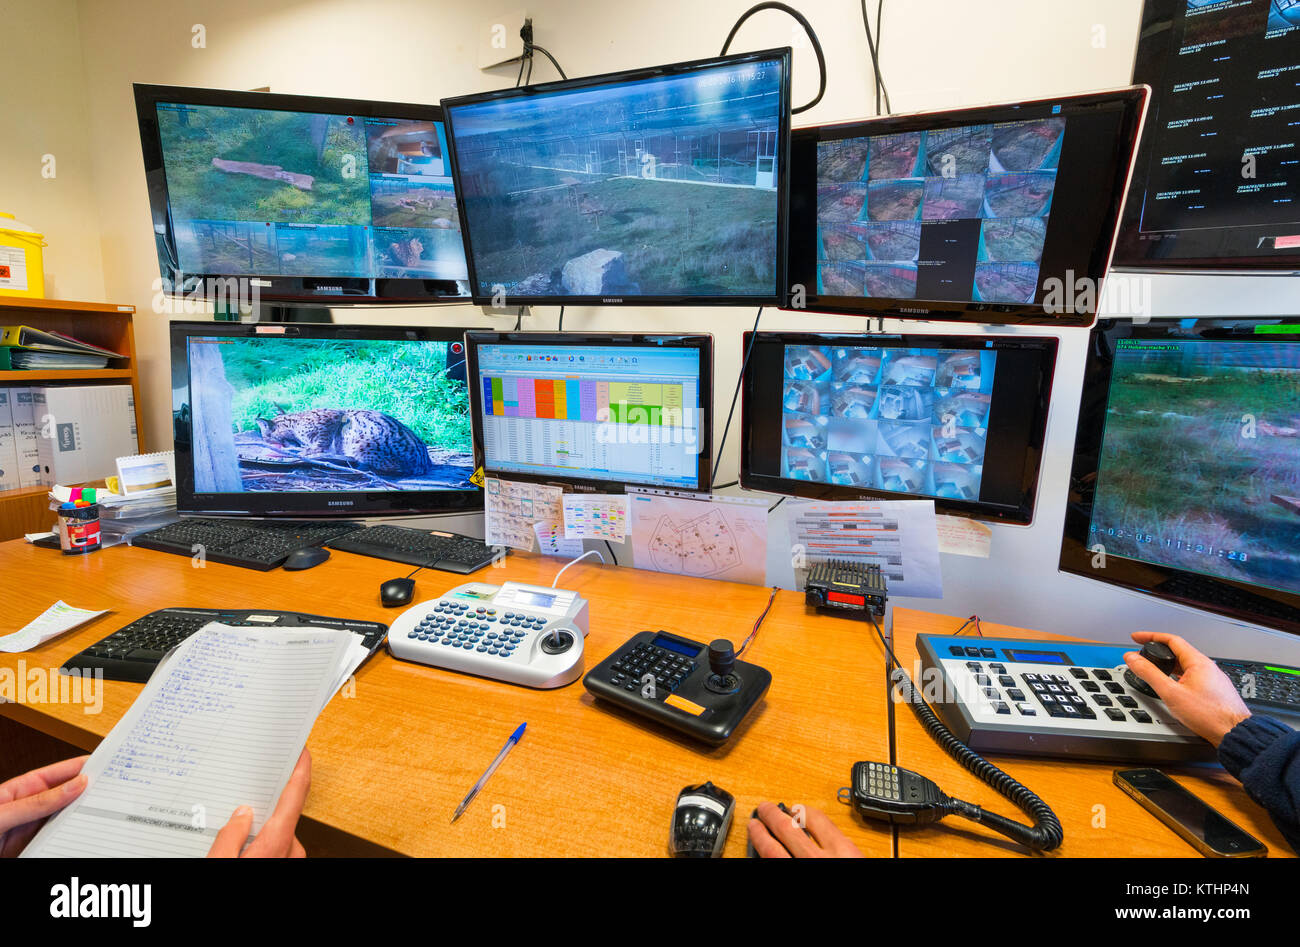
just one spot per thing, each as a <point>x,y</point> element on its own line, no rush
<point>220,724</point>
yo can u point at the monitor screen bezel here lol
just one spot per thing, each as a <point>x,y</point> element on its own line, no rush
<point>632,75</point>
<point>1021,515</point>
<point>1132,253</point>
<point>1077,558</point>
<point>1132,98</point>
<point>274,288</point>
<point>332,504</point>
<point>702,342</point>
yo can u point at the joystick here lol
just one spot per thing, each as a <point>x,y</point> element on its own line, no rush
<point>1158,654</point>
<point>722,662</point>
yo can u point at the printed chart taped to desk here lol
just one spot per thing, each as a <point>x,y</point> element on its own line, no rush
<point>511,509</point>
<point>898,535</point>
<point>710,537</point>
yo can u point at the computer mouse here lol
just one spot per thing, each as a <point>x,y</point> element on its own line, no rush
<point>306,558</point>
<point>701,821</point>
<point>396,592</point>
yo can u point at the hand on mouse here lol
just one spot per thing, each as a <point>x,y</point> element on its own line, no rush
<point>775,834</point>
<point>1202,698</point>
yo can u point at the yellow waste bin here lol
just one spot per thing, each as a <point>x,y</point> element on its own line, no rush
<point>22,267</point>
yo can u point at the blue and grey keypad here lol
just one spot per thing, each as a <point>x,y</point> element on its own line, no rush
<point>484,630</point>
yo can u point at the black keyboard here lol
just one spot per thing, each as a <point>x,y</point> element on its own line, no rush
<point>449,552</point>
<point>253,544</point>
<point>1266,688</point>
<point>132,652</point>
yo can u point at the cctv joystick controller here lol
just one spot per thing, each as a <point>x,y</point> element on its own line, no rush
<point>1158,654</point>
<point>722,662</point>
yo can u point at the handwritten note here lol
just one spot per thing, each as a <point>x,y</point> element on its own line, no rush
<point>220,724</point>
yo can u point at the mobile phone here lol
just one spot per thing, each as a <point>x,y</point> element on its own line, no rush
<point>1206,830</point>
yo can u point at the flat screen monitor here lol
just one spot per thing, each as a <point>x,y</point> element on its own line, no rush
<point>593,411</point>
<point>1217,184</point>
<point>955,418</point>
<point>663,185</point>
<point>320,420</point>
<point>312,199</point>
<point>1186,478</point>
<point>995,214</point>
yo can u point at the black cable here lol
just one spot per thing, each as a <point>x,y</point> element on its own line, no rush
<point>773,507</point>
<point>544,52</point>
<point>560,325</point>
<point>519,320</point>
<point>1046,832</point>
<point>732,483</point>
<point>717,458</point>
<point>522,60</point>
<point>807,28</point>
<point>417,570</point>
<point>528,79</point>
<point>873,44</point>
<point>612,557</point>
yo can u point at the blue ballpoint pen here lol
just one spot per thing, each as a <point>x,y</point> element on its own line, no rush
<point>514,738</point>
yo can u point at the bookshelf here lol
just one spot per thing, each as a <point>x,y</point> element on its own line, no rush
<point>109,325</point>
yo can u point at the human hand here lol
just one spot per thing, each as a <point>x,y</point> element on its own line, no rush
<point>1202,698</point>
<point>26,801</point>
<point>775,834</point>
<point>276,840</point>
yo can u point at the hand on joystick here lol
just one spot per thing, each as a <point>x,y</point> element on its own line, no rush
<point>1160,655</point>
<point>1202,698</point>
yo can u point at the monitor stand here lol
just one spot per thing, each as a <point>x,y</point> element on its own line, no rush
<point>284,312</point>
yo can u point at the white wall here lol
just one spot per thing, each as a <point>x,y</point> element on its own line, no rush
<point>936,53</point>
<point>43,98</point>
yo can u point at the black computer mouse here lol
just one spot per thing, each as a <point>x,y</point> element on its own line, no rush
<point>396,592</point>
<point>306,558</point>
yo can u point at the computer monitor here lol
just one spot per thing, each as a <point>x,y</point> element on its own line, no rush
<point>956,418</point>
<point>593,411</point>
<point>320,420</point>
<point>994,214</point>
<point>1217,183</point>
<point>662,185</point>
<point>1186,479</point>
<point>312,199</point>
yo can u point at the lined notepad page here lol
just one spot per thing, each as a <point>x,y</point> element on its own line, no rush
<point>220,724</point>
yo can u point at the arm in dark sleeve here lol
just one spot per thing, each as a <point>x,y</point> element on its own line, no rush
<point>1265,755</point>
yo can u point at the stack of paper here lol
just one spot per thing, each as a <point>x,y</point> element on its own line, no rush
<point>220,724</point>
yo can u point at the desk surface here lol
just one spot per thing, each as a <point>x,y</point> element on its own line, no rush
<point>391,763</point>
<point>1119,829</point>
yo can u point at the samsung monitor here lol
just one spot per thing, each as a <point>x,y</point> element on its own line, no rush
<point>1186,479</point>
<point>662,185</point>
<point>954,418</point>
<point>593,412</point>
<point>994,214</point>
<point>305,199</point>
<point>1217,184</point>
<point>320,420</point>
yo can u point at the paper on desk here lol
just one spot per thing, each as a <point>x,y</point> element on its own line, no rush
<point>704,535</point>
<point>55,620</point>
<point>898,535</point>
<point>551,541</point>
<point>510,509</point>
<point>220,724</point>
<point>595,516</point>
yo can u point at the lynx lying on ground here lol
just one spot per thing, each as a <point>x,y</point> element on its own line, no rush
<point>368,439</point>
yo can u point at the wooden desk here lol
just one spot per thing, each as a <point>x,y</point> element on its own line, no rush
<point>391,763</point>
<point>1120,829</point>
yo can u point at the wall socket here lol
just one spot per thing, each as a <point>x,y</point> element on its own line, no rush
<point>499,39</point>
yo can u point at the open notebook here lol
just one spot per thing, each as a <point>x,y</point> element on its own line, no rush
<point>220,724</point>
